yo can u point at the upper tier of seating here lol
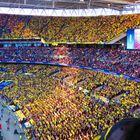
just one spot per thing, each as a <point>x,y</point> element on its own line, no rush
<point>81,29</point>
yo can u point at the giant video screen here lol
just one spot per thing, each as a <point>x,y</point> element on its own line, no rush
<point>133,39</point>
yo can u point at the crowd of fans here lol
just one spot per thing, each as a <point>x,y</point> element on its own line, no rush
<point>116,60</point>
<point>67,29</point>
<point>53,98</point>
<point>63,102</point>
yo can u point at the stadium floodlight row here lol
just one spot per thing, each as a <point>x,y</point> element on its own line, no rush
<point>134,9</point>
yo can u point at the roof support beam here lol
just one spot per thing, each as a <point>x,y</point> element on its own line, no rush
<point>119,1</point>
<point>25,1</point>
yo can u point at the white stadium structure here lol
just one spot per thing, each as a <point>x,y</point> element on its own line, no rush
<point>69,7</point>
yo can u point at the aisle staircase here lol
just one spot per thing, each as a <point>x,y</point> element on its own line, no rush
<point>117,39</point>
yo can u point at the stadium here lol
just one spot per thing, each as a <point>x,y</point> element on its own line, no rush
<point>69,69</point>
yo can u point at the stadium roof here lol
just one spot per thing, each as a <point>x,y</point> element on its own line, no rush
<point>68,4</point>
<point>89,6</point>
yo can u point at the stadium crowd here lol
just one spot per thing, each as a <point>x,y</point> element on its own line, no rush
<point>53,98</point>
<point>116,60</point>
<point>70,103</point>
<point>67,29</point>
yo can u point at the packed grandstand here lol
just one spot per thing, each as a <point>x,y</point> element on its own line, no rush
<point>68,83</point>
<point>67,29</point>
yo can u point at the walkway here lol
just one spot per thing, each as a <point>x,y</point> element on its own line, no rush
<point>9,134</point>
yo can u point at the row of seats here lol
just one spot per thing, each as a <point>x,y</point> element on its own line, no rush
<point>53,98</point>
<point>67,29</point>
